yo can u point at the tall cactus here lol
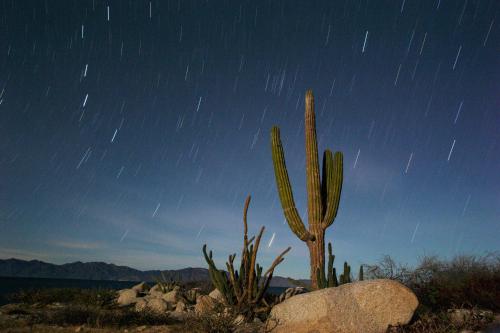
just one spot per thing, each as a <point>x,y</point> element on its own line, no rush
<point>322,197</point>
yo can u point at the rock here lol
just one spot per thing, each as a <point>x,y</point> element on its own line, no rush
<point>180,306</point>
<point>141,287</point>
<point>366,306</point>
<point>460,317</point>
<point>180,316</point>
<point>217,295</point>
<point>141,328</point>
<point>172,297</point>
<point>127,297</point>
<point>80,328</point>
<point>141,305</point>
<point>240,319</point>
<point>157,305</point>
<point>156,291</point>
<point>204,304</point>
<point>156,287</point>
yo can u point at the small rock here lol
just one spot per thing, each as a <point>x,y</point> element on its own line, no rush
<point>156,287</point>
<point>217,295</point>
<point>141,305</point>
<point>157,305</point>
<point>180,316</point>
<point>127,297</point>
<point>240,319</point>
<point>172,297</point>
<point>141,328</point>
<point>80,328</point>
<point>141,287</point>
<point>156,291</point>
<point>180,307</point>
<point>204,304</point>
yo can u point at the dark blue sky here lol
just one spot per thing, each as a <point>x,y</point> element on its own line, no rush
<point>132,131</point>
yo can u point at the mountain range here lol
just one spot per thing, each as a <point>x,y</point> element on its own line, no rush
<point>104,271</point>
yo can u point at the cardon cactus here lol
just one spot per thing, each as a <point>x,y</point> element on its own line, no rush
<point>323,195</point>
<point>244,290</point>
<point>345,277</point>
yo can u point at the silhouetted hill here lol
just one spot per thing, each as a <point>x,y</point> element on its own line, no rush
<point>105,271</point>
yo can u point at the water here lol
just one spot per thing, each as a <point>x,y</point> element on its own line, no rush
<point>9,285</point>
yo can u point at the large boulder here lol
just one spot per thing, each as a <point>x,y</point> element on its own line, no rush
<point>127,297</point>
<point>366,306</point>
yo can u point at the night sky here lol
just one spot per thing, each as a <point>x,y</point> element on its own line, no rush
<point>131,132</point>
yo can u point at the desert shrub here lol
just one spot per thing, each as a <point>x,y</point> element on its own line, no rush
<point>205,286</point>
<point>216,320</point>
<point>441,322</point>
<point>99,317</point>
<point>464,281</point>
<point>97,297</point>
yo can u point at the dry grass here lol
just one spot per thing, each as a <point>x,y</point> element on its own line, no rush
<point>468,282</point>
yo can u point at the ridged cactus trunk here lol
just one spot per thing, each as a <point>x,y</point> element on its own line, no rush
<point>323,193</point>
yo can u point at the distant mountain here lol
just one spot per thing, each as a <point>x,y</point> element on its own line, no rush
<point>104,271</point>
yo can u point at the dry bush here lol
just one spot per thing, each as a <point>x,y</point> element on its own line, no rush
<point>214,321</point>
<point>441,322</point>
<point>464,281</point>
<point>97,317</point>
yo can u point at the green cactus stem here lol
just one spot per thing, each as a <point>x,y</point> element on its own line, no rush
<point>244,290</point>
<point>323,193</point>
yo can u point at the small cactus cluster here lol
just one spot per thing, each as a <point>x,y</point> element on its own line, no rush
<point>330,279</point>
<point>244,290</point>
<point>166,285</point>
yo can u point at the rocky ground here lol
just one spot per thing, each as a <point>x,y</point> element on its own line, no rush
<point>170,308</point>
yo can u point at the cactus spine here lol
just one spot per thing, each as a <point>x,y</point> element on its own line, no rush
<point>322,197</point>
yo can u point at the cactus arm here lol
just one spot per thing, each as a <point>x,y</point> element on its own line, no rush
<point>314,202</point>
<point>334,176</point>
<point>233,277</point>
<point>285,189</point>
<point>253,252</point>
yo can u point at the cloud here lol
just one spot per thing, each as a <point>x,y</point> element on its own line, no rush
<point>76,245</point>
